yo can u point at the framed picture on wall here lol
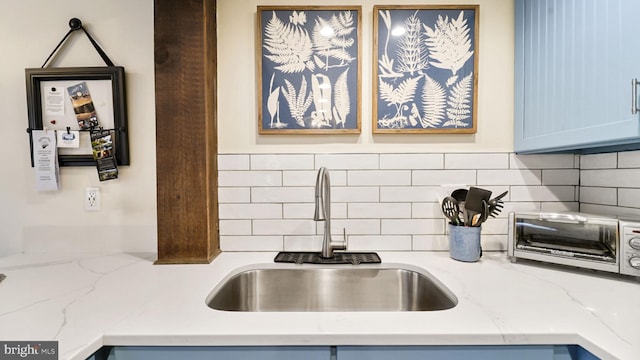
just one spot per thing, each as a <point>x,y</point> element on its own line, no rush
<point>309,60</point>
<point>425,69</point>
<point>82,99</point>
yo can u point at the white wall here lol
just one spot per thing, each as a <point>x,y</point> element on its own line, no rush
<point>37,221</point>
<point>30,29</point>
<point>237,113</point>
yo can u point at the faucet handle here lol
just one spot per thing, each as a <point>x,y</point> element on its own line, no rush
<point>341,244</point>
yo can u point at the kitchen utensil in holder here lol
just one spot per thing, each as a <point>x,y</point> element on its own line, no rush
<point>464,243</point>
<point>451,210</point>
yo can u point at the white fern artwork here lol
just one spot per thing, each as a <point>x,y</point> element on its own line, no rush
<point>309,69</point>
<point>426,68</point>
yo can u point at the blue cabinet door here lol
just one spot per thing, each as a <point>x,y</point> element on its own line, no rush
<point>476,352</point>
<point>220,353</point>
<point>575,61</point>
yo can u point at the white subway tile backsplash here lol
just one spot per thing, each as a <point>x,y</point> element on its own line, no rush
<point>509,177</point>
<point>282,194</point>
<point>598,195</point>
<point>308,177</point>
<point>412,226</point>
<point>512,206</point>
<point>629,159</point>
<point>353,226</point>
<point>388,201</point>
<point>378,210</point>
<point>411,161</point>
<point>234,195</point>
<point>443,177</point>
<point>249,178</point>
<point>629,197</point>
<point>493,242</point>
<point>300,178</point>
<point>542,193</point>
<point>560,206</point>
<point>284,227</point>
<point>304,211</point>
<point>426,210</point>
<point>302,243</point>
<point>233,162</point>
<point>235,227</point>
<point>338,210</point>
<point>495,226</point>
<point>250,211</point>
<point>610,178</point>
<point>631,212</point>
<point>561,177</point>
<point>355,194</point>
<point>599,161</point>
<point>282,162</point>
<point>543,161</point>
<point>476,161</point>
<point>438,242</point>
<point>347,161</point>
<point>408,193</point>
<point>380,243</point>
<point>378,177</point>
<point>251,243</point>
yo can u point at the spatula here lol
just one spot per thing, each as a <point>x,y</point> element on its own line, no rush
<point>473,203</point>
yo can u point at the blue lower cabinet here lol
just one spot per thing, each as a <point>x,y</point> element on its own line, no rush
<point>220,353</point>
<point>520,352</point>
<point>475,352</point>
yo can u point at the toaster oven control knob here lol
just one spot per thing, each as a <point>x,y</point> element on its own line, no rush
<point>635,243</point>
<point>635,262</point>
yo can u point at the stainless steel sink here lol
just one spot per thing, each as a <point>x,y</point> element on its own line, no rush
<point>289,287</point>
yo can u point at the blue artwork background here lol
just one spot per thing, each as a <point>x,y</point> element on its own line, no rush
<point>392,117</point>
<point>273,77</point>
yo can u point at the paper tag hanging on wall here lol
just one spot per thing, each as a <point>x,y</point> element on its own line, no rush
<point>68,138</point>
<point>103,153</point>
<point>83,106</point>
<point>45,160</point>
<point>54,101</point>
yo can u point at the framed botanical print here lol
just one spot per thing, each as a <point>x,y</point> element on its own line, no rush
<point>425,69</point>
<point>309,69</point>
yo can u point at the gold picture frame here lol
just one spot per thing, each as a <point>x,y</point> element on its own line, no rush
<point>309,69</point>
<point>425,69</point>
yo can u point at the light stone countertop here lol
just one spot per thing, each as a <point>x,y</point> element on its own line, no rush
<point>90,300</point>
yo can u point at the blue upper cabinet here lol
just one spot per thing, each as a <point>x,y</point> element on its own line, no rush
<point>575,61</point>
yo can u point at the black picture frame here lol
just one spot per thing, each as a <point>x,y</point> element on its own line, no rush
<point>111,79</point>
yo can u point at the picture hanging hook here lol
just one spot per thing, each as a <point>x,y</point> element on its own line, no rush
<point>75,24</point>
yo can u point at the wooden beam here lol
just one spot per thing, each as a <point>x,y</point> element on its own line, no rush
<point>186,144</point>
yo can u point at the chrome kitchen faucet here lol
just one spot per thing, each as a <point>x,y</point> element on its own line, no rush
<point>323,213</point>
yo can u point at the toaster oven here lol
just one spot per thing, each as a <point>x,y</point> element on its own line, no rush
<point>604,243</point>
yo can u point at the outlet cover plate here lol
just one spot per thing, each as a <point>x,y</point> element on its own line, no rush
<point>92,199</point>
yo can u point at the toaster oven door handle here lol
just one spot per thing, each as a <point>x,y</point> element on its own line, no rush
<point>563,218</point>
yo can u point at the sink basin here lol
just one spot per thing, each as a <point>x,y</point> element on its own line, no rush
<point>290,287</point>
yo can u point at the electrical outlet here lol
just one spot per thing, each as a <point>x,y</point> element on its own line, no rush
<point>92,199</point>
